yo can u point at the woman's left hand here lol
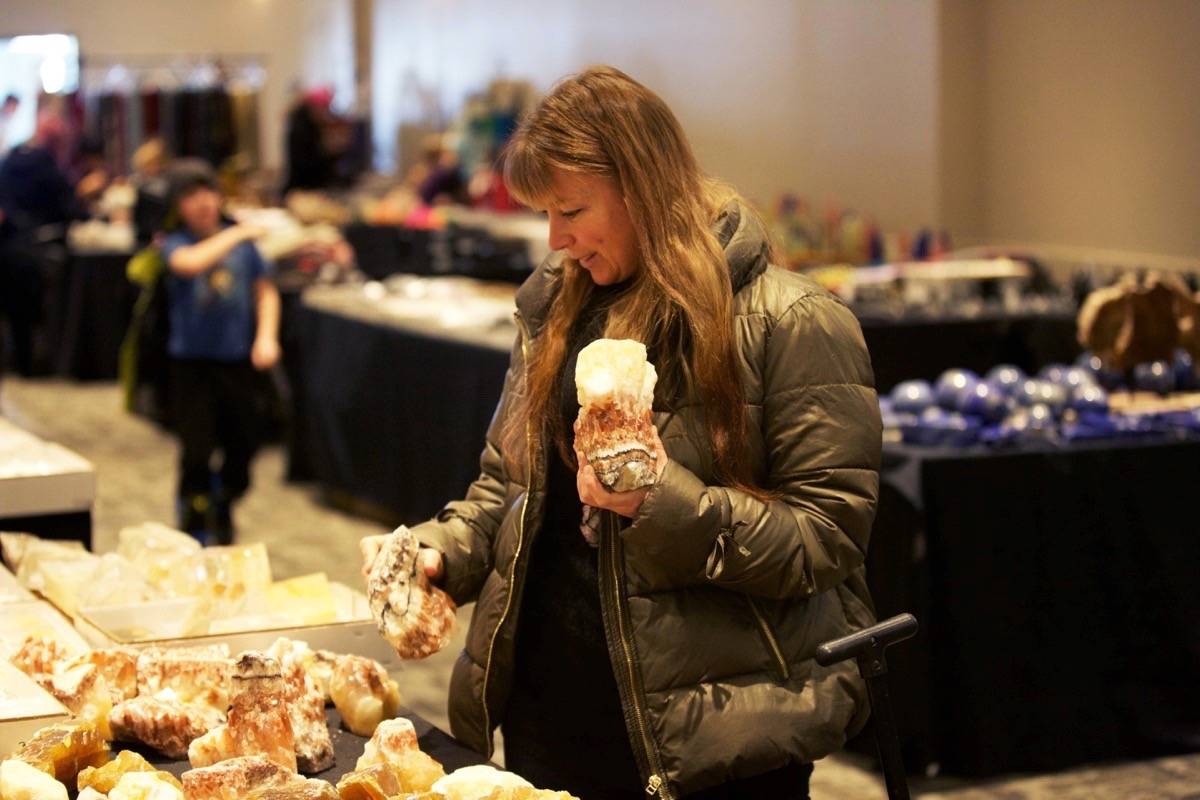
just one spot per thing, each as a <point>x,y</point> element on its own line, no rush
<point>593,493</point>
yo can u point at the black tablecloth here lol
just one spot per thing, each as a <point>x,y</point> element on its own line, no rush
<point>381,250</point>
<point>393,417</point>
<point>99,305</point>
<point>924,348</point>
<point>1059,599</point>
<point>73,526</point>
<point>347,747</point>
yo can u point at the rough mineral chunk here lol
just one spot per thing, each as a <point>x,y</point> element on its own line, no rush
<point>418,771</point>
<point>363,693</point>
<point>21,781</point>
<point>309,790</point>
<point>319,666</point>
<point>378,782</point>
<point>40,655</point>
<point>145,786</point>
<point>104,779</point>
<point>306,707</point>
<point>392,738</point>
<point>470,783</point>
<point>118,667</point>
<point>83,690</point>
<point>194,674</point>
<point>236,778</point>
<point>415,617</point>
<point>258,718</point>
<point>614,431</point>
<point>522,793</point>
<point>164,723</point>
<point>64,750</point>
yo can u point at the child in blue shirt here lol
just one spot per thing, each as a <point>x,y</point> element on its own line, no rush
<point>223,312</point>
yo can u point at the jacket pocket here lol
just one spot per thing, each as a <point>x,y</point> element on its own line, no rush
<point>769,638</point>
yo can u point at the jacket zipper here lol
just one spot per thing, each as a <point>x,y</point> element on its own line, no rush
<point>627,678</point>
<point>769,635</point>
<point>487,668</point>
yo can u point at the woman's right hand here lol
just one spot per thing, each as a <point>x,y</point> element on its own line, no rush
<point>429,559</point>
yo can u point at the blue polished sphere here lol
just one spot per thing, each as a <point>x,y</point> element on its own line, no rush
<point>1007,377</point>
<point>934,415</point>
<point>1075,377</point>
<point>985,400</point>
<point>1049,394</point>
<point>1156,376</point>
<point>1107,378</point>
<point>1089,361</point>
<point>953,384</point>
<point>1184,365</point>
<point>912,397</point>
<point>1089,398</point>
<point>1054,373</point>
<point>1041,416</point>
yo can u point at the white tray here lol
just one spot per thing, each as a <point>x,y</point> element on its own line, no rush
<point>36,618</point>
<point>25,708</point>
<point>39,477</point>
<point>159,625</point>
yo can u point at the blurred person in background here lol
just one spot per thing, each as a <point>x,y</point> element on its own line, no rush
<point>7,111</point>
<point>92,171</point>
<point>437,178</point>
<point>224,330</point>
<point>150,180</point>
<point>310,159</point>
<point>36,204</point>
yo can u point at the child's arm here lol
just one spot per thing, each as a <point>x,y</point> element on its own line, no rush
<point>265,352</point>
<point>193,259</point>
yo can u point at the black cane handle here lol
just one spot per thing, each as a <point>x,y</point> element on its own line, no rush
<point>868,644</point>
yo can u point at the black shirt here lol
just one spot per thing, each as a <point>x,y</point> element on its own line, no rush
<point>564,727</point>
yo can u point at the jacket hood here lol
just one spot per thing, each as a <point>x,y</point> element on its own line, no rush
<point>738,229</point>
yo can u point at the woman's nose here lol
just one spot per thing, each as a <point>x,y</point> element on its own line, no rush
<point>559,238</point>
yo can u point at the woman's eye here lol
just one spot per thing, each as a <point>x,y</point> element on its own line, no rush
<point>572,213</point>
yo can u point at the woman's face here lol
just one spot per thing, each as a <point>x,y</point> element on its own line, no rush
<point>588,220</point>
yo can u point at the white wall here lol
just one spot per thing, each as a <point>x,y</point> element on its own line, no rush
<point>301,42</point>
<point>826,97</point>
<point>1090,126</point>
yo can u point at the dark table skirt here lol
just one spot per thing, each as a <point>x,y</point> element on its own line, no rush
<point>393,418</point>
<point>920,348</point>
<point>1059,599</point>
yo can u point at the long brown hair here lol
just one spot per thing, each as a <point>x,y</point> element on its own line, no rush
<point>680,303</point>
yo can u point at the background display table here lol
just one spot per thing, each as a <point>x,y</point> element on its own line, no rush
<point>395,408</point>
<point>98,306</point>
<point>921,347</point>
<point>1058,597</point>
<point>45,488</point>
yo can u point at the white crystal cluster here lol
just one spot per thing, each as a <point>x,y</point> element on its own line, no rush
<point>615,369</point>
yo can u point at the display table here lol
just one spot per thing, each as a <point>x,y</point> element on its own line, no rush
<point>396,408</point>
<point>1058,597</point>
<point>381,250</point>
<point>477,244</point>
<point>919,347</point>
<point>44,488</point>
<point>99,305</point>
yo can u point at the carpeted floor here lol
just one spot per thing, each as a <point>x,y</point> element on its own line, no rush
<point>135,464</point>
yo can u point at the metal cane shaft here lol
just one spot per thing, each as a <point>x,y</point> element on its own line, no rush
<point>886,739</point>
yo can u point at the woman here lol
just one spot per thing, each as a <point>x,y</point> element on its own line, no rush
<point>676,658</point>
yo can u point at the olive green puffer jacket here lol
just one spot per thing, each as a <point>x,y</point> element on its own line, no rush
<point>713,601</point>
